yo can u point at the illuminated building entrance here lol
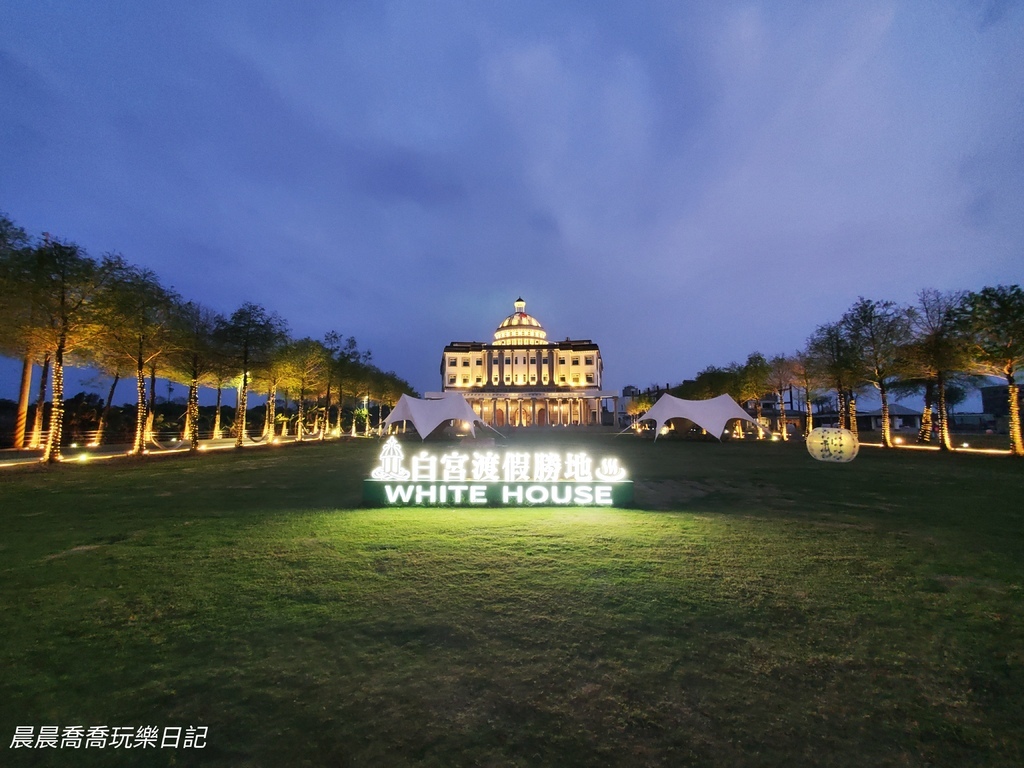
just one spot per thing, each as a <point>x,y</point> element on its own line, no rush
<point>520,379</point>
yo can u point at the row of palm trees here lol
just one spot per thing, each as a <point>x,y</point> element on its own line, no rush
<point>60,306</point>
<point>942,341</point>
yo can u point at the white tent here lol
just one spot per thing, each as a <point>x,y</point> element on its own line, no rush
<point>711,415</point>
<point>426,415</point>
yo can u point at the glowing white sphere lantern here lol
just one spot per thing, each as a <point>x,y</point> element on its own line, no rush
<point>832,444</point>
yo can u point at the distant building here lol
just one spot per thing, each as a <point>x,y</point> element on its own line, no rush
<point>995,400</point>
<point>522,379</point>
<point>901,418</point>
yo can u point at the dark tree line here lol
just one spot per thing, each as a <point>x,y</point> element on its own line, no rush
<point>60,306</point>
<point>934,347</point>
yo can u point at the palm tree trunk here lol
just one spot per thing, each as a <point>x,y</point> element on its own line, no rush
<point>24,393</point>
<point>106,411</point>
<point>783,426</point>
<point>216,417</point>
<point>1016,443</point>
<point>810,413</point>
<point>924,435</point>
<point>37,421</point>
<point>139,443</point>
<point>192,413</point>
<point>886,430</point>
<point>51,453</point>
<point>270,413</point>
<point>243,403</point>
<point>945,441</point>
<point>853,414</point>
<point>187,425</point>
<point>151,410</point>
<point>325,425</point>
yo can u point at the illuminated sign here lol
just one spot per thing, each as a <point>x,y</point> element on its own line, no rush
<point>492,478</point>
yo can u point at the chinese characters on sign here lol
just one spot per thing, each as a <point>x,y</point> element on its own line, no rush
<point>492,477</point>
<point>102,736</point>
<point>832,444</point>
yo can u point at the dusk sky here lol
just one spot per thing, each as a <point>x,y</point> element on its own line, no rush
<point>683,183</point>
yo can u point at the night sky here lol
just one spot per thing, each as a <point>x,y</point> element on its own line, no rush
<point>683,183</point>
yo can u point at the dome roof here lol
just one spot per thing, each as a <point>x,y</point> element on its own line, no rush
<point>520,328</point>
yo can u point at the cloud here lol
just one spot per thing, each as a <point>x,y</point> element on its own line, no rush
<point>402,171</point>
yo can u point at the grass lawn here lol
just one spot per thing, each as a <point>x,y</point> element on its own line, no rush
<point>757,608</point>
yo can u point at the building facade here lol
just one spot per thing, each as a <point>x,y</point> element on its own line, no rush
<point>521,379</point>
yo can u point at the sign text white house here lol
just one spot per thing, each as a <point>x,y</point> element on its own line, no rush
<point>489,477</point>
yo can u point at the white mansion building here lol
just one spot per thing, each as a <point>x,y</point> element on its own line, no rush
<point>522,379</point>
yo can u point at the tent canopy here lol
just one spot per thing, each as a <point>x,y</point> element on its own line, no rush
<point>426,415</point>
<point>711,415</point>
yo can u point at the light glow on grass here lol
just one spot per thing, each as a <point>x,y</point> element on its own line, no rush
<point>759,600</point>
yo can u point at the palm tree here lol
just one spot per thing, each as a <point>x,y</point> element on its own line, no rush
<point>66,284</point>
<point>16,314</point>
<point>939,347</point>
<point>346,368</point>
<point>273,374</point>
<point>752,378</point>
<point>804,376</point>
<point>781,376</point>
<point>306,366</point>
<point>193,357</point>
<point>831,357</point>
<point>994,318</point>
<point>137,318</point>
<point>878,332</point>
<point>332,344</point>
<point>248,335</point>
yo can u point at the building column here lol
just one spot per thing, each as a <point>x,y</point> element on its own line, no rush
<point>533,411</point>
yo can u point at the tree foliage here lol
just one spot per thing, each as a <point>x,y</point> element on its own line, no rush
<point>60,306</point>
